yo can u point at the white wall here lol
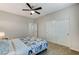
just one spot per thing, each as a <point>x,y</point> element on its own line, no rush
<point>14,25</point>
<point>61,27</point>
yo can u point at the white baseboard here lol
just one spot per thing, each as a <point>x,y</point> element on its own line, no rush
<point>75,49</point>
<point>72,48</point>
<point>58,43</point>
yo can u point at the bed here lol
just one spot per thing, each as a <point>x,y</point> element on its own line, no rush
<point>24,46</point>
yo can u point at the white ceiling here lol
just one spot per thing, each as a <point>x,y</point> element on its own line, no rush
<point>16,8</point>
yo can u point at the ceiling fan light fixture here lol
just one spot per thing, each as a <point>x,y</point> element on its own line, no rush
<point>32,12</point>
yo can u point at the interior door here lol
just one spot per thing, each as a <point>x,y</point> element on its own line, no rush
<point>32,29</point>
<point>58,31</point>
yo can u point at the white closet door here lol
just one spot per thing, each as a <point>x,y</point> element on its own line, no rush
<point>35,30</point>
<point>57,31</point>
<point>50,30</point>
<point>60,31</point>
<point>32,29</point>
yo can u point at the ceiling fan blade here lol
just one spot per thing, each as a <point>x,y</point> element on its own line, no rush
<point>29,5</point>
<point>38,8</point>
<point>37,12</point>
<point>26,10</point>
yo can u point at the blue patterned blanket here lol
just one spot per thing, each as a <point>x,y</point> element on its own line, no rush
<point>23,46</point>
<point>36,45</point>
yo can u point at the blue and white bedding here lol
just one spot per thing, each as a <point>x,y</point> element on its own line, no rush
<point>5,46</point>
<point>37,45</point>
<point>23,46</point>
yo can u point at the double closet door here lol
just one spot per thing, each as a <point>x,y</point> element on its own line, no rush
<point>57,31</point>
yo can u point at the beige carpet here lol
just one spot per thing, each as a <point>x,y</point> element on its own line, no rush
<point>55,49</point>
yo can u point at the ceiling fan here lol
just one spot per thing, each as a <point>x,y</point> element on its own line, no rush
<point>32,9</point>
